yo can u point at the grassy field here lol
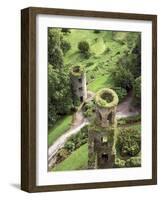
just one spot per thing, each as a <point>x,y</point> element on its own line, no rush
<point>60,127</point>
<point>105,51</point>
<point>77,160</point>
<point>99,83</point>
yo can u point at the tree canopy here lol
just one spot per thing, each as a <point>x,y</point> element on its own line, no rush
<point>59,91</point>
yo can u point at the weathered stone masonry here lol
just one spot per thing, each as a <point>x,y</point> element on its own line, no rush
<point>101,144</point>
<point>78,81</point>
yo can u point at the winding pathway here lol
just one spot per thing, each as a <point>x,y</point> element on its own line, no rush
<point>124,109</point>
<point>79,122</point>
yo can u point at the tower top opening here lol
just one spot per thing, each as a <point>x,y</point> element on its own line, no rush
<point>77,70</point>
<point>106,98</point>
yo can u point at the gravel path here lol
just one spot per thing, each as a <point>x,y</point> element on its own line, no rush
<point>124,109</point>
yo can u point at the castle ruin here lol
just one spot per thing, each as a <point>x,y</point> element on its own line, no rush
<point>101,133</point>
<point>78,83</point>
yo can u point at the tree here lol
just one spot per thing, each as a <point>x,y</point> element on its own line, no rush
<point>83,47</point>
<point>65,30</point>
<point>133,59</point>
<point>59,91</point>
<point>55,54</point>
<point>137,92</point>
<point>96,31</point>
<point>59,94</point>
<point>65,46</point>
<point>122,77</point>
<point>56,58</point>
<point>132,63</point>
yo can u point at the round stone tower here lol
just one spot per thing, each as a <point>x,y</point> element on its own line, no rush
<point>106,102</point>
<point>78,82</point>
<point>101,133</point>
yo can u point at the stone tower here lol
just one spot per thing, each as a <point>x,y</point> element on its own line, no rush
<point>78,82</point>
<point>101,133</point>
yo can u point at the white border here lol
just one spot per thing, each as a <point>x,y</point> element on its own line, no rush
<point>43,177</point>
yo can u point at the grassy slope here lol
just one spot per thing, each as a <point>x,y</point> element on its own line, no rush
<point>60,127</point>
<point>99,62</point>
<point>97,84</point>
<point>77,160</point>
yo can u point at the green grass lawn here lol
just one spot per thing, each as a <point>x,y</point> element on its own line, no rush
<point>99,83</point>
<point>60,127</point>
<point>97,65</point>
<point>77,160</point>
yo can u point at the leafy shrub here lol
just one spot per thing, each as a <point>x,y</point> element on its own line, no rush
<point>89,64</point>
<point>83,47</point>
<point>129,120</point>
<point>133,162</point>
<point>129,141</point>
<point>119,163</point>
<point>89,109</point>
<point>131,148</point>
<point>69,146</point>
<point>137,92</point>
<point>59,94</point>
<point>122,77</point>
<point>86,54</point>
<point>62,155</point>
<point>75,141</point>
<point>121,92</point>
<point>65,46</point>
<point>65,30</point>
<point>96,31</point>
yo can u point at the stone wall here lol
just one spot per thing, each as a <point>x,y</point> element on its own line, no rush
<point>101,133</point>
<point>78,84</point>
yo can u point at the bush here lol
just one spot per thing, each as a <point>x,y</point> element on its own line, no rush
<point>121,92</point>
<point>89,64</point>
<point>119,163</point>
<point>86,54</point>
<point>83,47</point>
<point>133,162</point>
<point>129,141</point>
<point>75,141</point>
<point>65,46</point>
<point>89,109</point>
<point>65,30</point>
<point>62,155</point>
<point>69,146</point>
<point>137,92</point>
<point>129,120</point>
<point>131,148</point>
<point>122,77</point>
<point>96,31</point>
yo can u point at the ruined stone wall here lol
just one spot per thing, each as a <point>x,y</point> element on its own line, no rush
<point>101,133</point>
<point>101,152</point>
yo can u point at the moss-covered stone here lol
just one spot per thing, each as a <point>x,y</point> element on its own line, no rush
<point>106,98</point>
<point>77,70</point>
